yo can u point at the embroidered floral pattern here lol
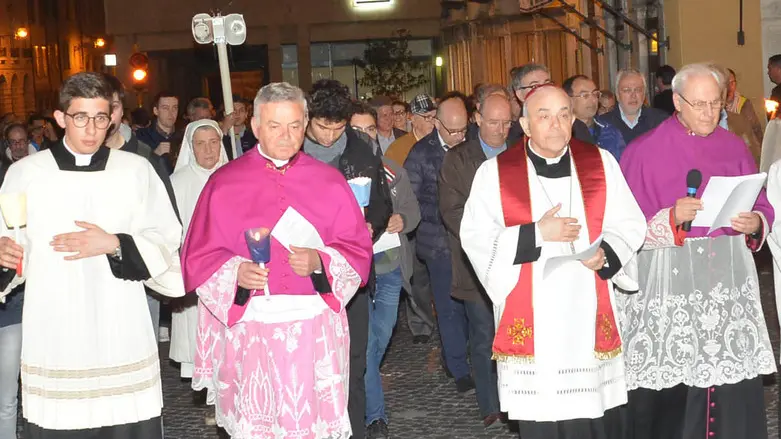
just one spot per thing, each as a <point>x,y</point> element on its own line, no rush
<point>280,380</point>
<point>702,327</point>
<point>659,234</point>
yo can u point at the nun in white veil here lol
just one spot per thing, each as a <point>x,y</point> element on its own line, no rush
<point>201,154</point>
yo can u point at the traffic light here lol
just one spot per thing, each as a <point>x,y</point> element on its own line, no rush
<point>139,65</point>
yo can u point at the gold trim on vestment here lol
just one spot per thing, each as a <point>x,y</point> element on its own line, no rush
<point>516,359</point>
<point>91,394</point>
<point>91,373</point>
<point>608,355</point>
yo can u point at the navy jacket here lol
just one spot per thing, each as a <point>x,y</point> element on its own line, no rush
<point>650,118</point>
<point>423,165</point>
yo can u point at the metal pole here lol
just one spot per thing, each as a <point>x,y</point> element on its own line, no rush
<point>227,96</point>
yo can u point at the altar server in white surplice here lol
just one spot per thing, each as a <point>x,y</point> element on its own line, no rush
<point>557,346</point>
<point>100,224</point>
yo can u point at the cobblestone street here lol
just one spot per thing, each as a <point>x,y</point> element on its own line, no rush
<point>422,402</point>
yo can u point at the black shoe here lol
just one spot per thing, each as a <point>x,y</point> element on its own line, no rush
<point>465,385</point>
<point>377,430</point>
<point>421,339</point>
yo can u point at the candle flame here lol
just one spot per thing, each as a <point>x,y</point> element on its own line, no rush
<point>256,236</point>
<point>771,106</point>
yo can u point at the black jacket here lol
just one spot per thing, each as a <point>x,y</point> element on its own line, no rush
<point>360,160</point>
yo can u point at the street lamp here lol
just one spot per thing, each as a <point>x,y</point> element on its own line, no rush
<point>222,30</point>
<point>21,33</point>
<point>100,43</point>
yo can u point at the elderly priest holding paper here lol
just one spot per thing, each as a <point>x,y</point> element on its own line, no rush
<point>554,201</point>
<point>697,342</point>
<point>273,340</point>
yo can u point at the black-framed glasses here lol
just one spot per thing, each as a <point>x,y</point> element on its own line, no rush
<point>716,105</point>
<point>459,132</point>
<point>80,120</point>
<point>370,130</point>
<point>588,94</point>
<point>533,86</point>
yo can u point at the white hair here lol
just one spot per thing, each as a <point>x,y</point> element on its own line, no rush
<point>280,92</point>
<point>623,73</point>
<point>698,69</point>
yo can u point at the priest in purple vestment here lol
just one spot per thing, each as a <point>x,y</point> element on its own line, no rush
<point>696,340</point>
<point>273,343</point>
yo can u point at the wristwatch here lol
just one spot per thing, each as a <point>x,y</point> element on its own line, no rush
<point>117,253</point>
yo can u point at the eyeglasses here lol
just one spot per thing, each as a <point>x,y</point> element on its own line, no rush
<point>399,113</point>
<point>533,86</point>
<point>700,106</point>
<point>459,132</point>
<point>18,142</point>
<point>588,94</point>
<point>633,91</point>
<point>80,120</point>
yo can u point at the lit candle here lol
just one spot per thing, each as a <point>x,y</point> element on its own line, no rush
<point>771,107</point>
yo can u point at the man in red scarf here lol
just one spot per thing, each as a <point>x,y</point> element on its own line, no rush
<point>557,346</point>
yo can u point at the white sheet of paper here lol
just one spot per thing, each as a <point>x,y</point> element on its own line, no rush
<point>557,261</point>
<point>293,229</point>
<point>726,197</point>
<point>387,241</point>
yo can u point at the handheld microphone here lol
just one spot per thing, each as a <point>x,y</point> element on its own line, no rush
<point>693,182</point>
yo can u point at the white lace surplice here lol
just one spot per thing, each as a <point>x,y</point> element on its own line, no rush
<point>697,319</point>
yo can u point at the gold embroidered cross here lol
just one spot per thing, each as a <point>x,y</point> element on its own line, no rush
<point>606,327</point>
<point>519,332</point>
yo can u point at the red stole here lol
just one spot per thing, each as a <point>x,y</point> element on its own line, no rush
<point>515,333</point>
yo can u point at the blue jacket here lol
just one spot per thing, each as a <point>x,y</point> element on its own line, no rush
<point>422,165</point>
<point>608,138</point>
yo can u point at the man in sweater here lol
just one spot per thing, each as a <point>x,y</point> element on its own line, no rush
<point>630,116</point>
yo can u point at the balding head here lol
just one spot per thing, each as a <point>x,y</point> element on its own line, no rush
<point>547,120</point>
<point>494,119</point>
<point>452,120</point>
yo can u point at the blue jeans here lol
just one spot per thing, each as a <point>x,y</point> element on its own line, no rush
<point>382,319</point>
<point>481,339</point>
<point>10,362</point>
<point>451,316</point>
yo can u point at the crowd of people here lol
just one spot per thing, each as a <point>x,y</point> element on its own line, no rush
<point>285,235</point>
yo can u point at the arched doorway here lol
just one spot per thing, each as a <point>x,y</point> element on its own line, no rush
<point>29,94</point>
<point>5,104</point>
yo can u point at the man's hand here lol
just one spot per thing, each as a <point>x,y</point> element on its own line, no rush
<point>595,262</point>
<point>747,223</point>
<point>228,122</point>
<point>163,148</point>
<point>11,253</point>
<point>371,229</point>
<point>554,229</point>
<point>685,209</point>
<point>304,261</point>
<point>93,241</point>
<point>395,224</point>
<point>252,277</point>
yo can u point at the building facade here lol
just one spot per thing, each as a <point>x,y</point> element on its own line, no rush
<point>300,41</point>
<point>58,40</point>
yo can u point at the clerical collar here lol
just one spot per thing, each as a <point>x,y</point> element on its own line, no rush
<point>68,160</point>
<point>557,167</point>
<point>278,163</point>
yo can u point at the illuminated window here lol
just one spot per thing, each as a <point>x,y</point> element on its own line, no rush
<point>372,4</point>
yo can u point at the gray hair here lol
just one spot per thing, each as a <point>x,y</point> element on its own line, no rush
<point>198,103</point>
<point>698,69</point>
<point>487,90</point>
<point>280,92</point>
<point>518,73</point>
<point>623,73</point>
